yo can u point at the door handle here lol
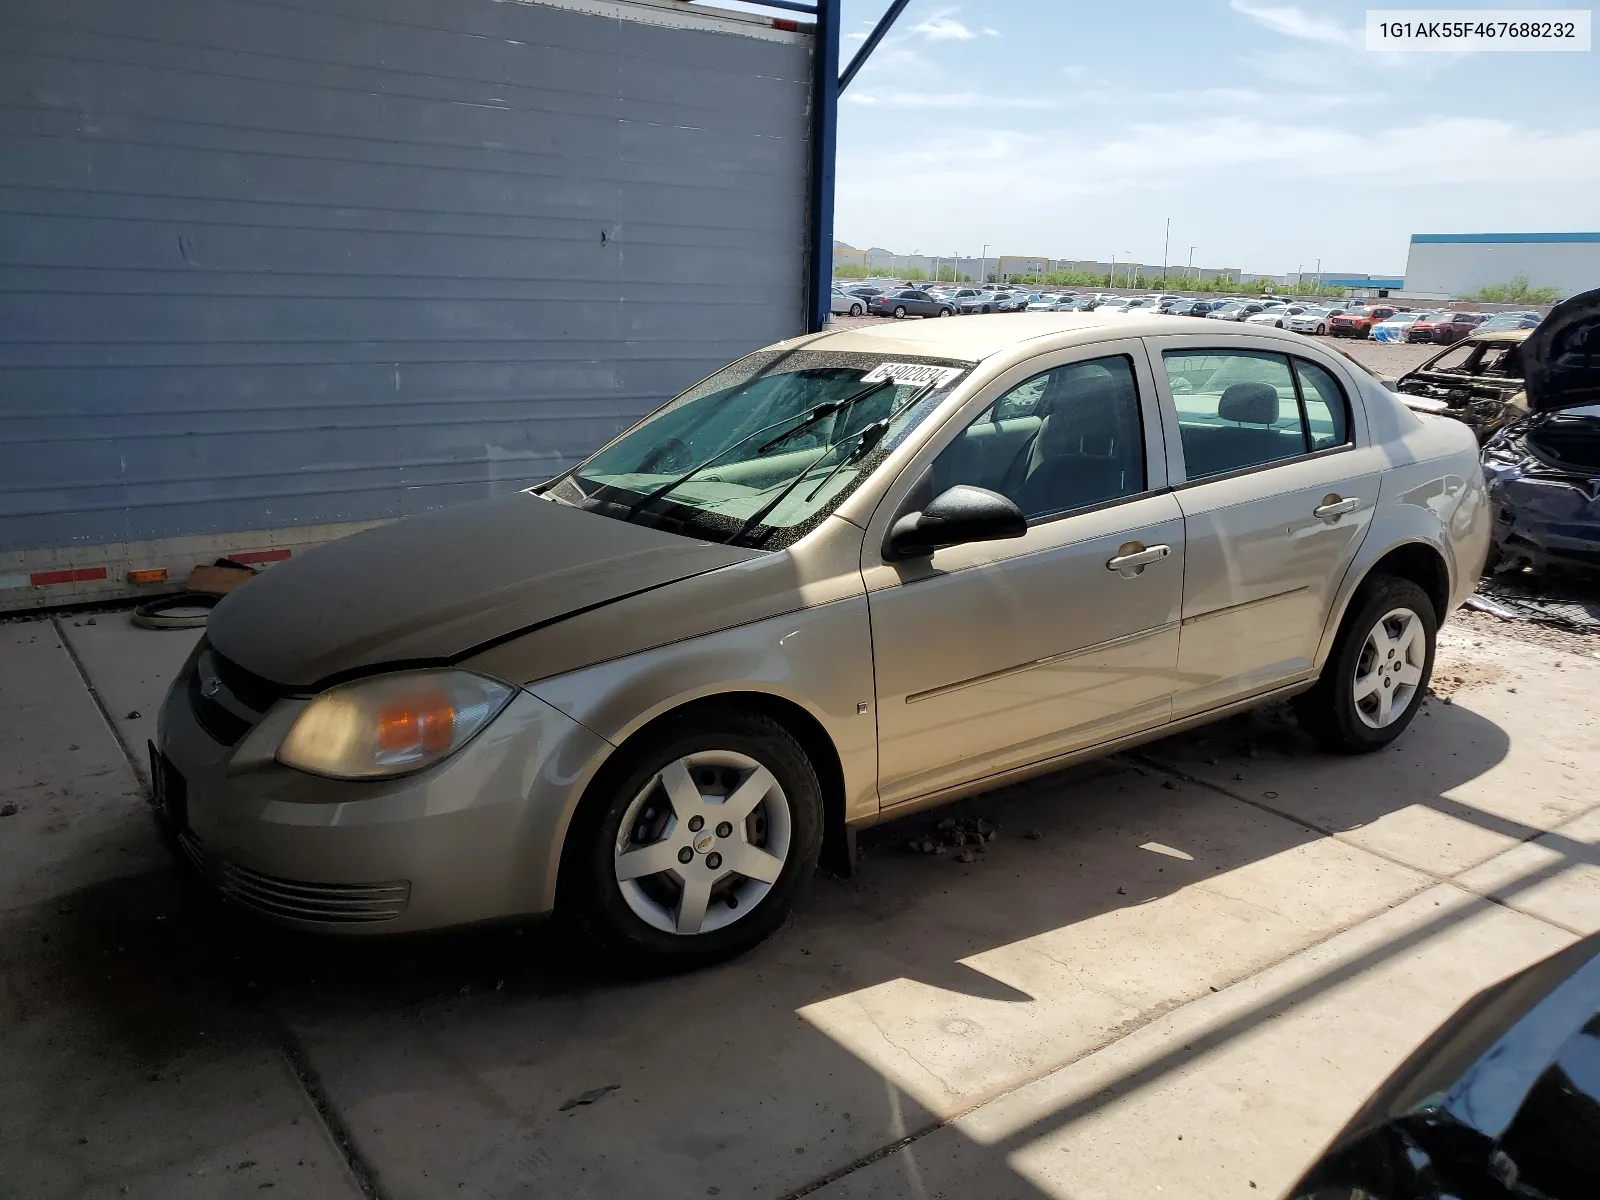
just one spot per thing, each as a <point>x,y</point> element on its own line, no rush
<point>1333,506</point>
<point>1135,559</point>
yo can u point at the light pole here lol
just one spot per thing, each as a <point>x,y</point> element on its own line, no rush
<point>1190,271</point>
<point>1128,257</point>
<point>983,265</point>
<point>1319,276</point>
<point>1165,245</point>
<point>1111,279</point>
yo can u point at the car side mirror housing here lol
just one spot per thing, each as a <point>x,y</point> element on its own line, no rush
<point>954,517</point>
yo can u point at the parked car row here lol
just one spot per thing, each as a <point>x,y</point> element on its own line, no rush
<point>1382,322</point>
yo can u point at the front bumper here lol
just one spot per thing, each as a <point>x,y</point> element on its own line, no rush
<point>475,838</point>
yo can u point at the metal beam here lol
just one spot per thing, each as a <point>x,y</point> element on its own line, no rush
<point>824,137</point>
<point>871,44</point>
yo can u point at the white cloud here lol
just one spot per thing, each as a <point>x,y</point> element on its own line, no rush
<point>943,27</point>
<point>990,31</point>
<point>855,37</point>
<point>1078,194</point>
<point>1290,21</point>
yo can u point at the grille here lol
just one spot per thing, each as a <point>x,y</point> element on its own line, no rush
<point>346,903</point>
<point>222,725</point>
<point>247,689</point>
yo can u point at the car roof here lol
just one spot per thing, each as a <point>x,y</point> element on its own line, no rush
<point>974,340</point>
<point>1499,336</point>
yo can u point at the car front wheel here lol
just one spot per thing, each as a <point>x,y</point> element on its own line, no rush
<point>945,312</point>
<point>1374,680</point>
<point>855,310</point>
<point>694,845</point>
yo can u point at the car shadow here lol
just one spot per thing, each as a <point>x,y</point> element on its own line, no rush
<point>509,1061</point>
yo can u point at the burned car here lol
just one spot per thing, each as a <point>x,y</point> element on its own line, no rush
<point>1478,380</point>
<point>1543,470</point>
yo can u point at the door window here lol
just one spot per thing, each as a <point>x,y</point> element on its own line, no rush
<point>1236,409</point>
<point>1065,439</point>
<point>1326,411</point>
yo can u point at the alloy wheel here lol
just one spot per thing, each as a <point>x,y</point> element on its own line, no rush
<point>702,842</point>
<point>1389,668</point>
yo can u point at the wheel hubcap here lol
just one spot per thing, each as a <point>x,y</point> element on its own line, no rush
<point>702,842</point>
<point>1389,668</point>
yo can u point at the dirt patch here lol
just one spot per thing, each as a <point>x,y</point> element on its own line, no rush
<point>1455,673</point>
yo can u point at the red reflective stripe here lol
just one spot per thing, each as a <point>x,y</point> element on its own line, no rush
<point>81,575</point>
<point>255,556</point>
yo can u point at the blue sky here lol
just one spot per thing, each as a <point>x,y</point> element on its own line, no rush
<point>1265,130</point>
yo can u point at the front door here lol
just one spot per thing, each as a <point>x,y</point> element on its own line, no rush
<point>995,655</point>
<point>1279,484</point>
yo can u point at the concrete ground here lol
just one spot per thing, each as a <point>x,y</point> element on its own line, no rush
<point>1213,950</point>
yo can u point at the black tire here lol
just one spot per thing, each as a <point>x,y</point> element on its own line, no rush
<point>856,310</point>
<point>899,312</point>
<point>1328,712</point>
<point>947,312</point>
<point>987,309</point>
<point>590,895</point>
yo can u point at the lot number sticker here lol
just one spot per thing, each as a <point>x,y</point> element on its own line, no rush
<point>913,373</point>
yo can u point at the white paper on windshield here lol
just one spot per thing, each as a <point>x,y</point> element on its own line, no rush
<point>913,373</point>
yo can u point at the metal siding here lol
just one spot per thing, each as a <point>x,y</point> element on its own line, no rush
<point>265,265</point>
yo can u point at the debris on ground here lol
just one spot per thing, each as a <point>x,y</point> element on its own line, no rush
<point>8,809</point>
<point>1547,603</point>
<point>589,1097</point>
<point>953,833</point>
<point>1033,835</point>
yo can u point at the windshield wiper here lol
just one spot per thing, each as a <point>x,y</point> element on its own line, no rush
<point>826,409</point>
<point>865,440</point>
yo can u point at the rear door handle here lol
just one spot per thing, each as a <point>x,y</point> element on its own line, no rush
<point>1332,506</point>
<point>1135,559</point>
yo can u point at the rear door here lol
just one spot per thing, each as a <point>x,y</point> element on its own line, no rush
<point>1277,480</point>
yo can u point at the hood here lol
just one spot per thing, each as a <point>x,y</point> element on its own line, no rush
<point>1561,358</point>
<point>436,587</point>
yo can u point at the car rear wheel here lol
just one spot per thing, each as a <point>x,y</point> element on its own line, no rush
<point>899,312</point>
<point>694,845</point>
<point>1377,674</point>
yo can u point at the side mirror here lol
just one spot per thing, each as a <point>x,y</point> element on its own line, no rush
<point>962,514</point>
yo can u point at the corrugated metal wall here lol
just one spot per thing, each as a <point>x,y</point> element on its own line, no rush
<point>266,264</point>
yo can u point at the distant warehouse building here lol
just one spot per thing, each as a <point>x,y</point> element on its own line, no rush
<point>1458,264</point>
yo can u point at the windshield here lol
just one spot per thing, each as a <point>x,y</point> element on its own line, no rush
<point>747,429</point>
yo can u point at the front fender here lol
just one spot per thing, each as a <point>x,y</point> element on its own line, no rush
<point>819,659</point>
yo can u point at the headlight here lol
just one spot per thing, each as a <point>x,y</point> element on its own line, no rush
<point>391,724</point>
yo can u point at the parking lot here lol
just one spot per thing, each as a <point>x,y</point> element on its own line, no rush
<point>1387,360</point>
<point>1173,972</point>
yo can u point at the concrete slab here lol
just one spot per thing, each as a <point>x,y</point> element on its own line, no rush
<point>911,994</point>
<point>1505,761</point>
<point>136,1064</point>
<point>1237,1093</point>
<point>80,812</point>
<point>131,669</point>
<point>1555,877</point>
